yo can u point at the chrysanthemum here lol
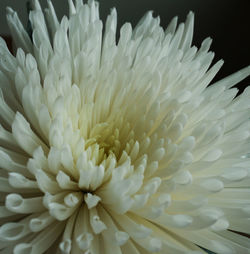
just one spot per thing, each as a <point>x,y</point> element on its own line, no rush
<point>119,148</point>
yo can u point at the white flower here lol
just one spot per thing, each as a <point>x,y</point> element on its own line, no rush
<point>119,148</point>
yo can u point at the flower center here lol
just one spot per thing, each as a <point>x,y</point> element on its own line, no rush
<point>103,141</point>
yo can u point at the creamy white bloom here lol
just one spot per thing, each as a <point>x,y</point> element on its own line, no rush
<point>119,148</point>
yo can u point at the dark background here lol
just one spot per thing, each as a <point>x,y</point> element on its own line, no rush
<point>227,22</point>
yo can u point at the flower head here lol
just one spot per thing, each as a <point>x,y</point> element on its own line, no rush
<point>119,147</point>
